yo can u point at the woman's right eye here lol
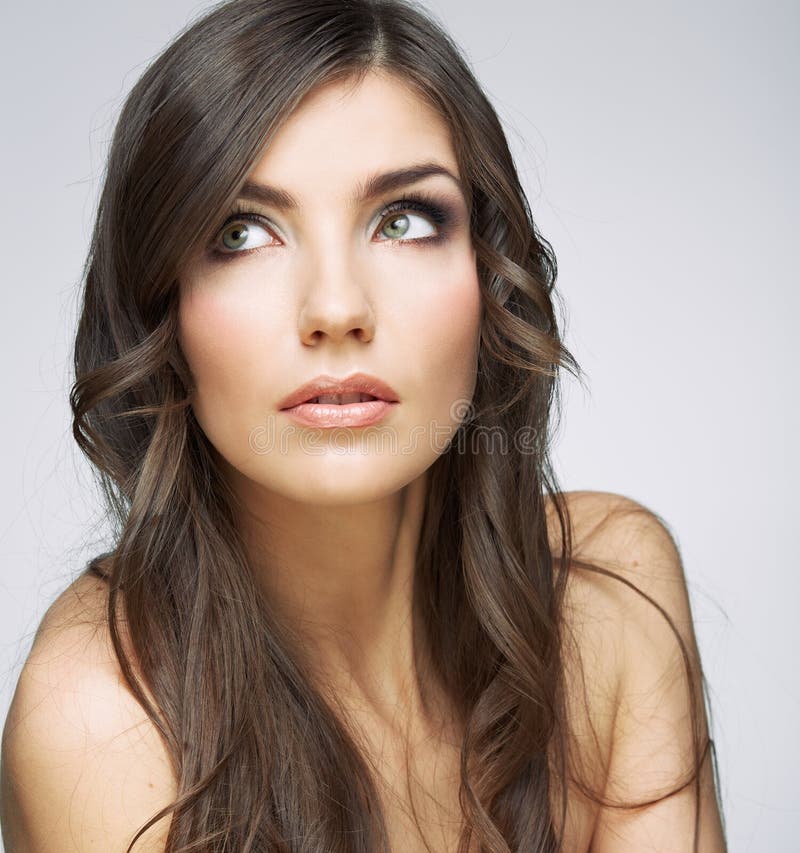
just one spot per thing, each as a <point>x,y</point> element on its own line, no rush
<point>236,233</point>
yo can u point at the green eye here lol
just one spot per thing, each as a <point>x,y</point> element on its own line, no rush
<point>238,236</point>
<point>397,227</point>
<point>432,212</point>
<point>236,232</point>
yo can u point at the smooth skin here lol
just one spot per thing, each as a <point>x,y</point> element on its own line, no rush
<point>328,289</point>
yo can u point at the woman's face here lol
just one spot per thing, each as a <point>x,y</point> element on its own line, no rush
<point>336,284</point>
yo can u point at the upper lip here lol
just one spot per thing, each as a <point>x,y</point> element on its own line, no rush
<point>358,382</point>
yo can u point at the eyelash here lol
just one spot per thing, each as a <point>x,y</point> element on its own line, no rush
<point>420,202</point>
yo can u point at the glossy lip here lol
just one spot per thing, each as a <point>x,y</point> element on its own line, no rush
<point>358,382</point>
<point>326,415</point>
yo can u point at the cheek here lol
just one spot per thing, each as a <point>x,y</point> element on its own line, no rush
<point>446,329</point>
<point>223,340</point>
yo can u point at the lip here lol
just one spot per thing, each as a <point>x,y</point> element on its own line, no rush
<point>327,415</point>
<point>362,383</point>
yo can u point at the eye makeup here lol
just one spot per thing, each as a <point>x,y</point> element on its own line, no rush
<point>439,212</point>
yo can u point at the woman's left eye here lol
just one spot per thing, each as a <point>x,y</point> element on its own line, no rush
<point>410,209</point>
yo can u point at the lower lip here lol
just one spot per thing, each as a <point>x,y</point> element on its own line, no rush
<point>346,415</point>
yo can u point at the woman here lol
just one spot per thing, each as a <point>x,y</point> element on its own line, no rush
<point>348,608</point>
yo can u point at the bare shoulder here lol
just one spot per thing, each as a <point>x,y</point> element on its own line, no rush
<point>634,563</point>
<point>83,766</point>
<point>628,614</point>
<point>625,563</point>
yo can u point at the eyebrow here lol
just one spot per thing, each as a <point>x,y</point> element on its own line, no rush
<point>371,188</point>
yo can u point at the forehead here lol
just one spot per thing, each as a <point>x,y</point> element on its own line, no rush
<point>342,131</point>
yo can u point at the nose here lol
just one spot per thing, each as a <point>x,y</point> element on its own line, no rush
<point>335,304</point>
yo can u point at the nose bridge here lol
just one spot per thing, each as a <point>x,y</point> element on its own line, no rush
<point>335,298</point>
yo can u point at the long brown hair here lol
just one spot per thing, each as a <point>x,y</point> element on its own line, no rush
<point>261,760</point>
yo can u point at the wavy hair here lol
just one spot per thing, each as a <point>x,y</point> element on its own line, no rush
<point>262,761</point>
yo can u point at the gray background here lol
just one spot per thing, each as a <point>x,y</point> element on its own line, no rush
<point>655,142</point>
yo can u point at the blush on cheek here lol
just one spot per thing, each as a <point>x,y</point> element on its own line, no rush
<point>449,328</point>
<point>212,329</point>
<point>458,301</point>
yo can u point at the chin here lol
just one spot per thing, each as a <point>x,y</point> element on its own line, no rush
<point>347,480</point>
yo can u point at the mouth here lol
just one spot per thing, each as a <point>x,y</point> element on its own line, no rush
<point>342,399</point>
<point>353,409</point>
<point>359,388</point>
